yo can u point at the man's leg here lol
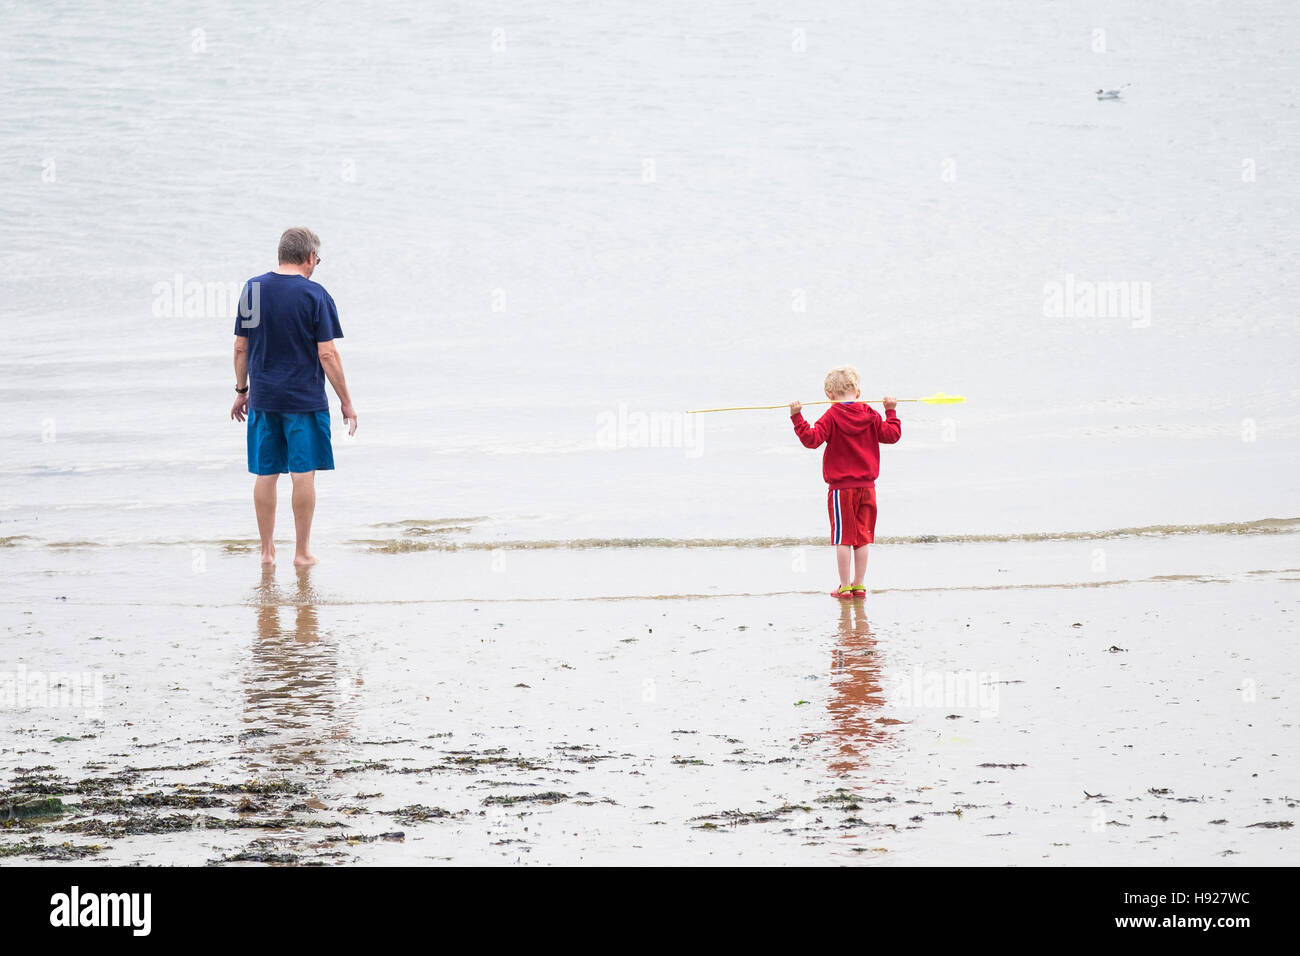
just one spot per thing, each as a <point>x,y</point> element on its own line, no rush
<point>264,505</point>
<point>860,563</point>
<point>304,506</point>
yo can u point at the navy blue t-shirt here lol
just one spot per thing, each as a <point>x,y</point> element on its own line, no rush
<point>283,317</point>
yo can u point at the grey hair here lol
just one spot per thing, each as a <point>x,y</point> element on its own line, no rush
<point>297,245</point>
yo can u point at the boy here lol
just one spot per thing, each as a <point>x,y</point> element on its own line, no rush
<point>853,432</point>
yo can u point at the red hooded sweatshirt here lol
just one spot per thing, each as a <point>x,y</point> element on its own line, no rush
<point>853,433</point>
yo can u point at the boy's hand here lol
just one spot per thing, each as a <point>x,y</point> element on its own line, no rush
<point>890,403</point>
<point>795,408</point>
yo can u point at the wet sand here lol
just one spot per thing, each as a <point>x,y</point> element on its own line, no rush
<point>1028,704</point>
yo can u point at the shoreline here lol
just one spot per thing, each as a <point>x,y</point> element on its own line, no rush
<point>1016,716</point>
<point>427,535</point>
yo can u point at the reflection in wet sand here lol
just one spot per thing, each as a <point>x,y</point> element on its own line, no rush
<point>856,696</point>
<point>298,693</point>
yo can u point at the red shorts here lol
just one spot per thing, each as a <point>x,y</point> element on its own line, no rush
<point>853,515</point>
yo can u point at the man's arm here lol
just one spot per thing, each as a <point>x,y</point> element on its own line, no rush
<point>333,366</point>
<point>240,408</point>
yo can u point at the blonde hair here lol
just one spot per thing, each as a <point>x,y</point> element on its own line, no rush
<point>842,380</point>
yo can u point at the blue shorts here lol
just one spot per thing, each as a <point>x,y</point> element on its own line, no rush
<point>289,441</point>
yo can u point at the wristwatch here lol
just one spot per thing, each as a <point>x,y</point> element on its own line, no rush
<point>241,391</point>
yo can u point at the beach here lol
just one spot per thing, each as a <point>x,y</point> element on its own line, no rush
<point>604,706</point>
<point>558,618</point>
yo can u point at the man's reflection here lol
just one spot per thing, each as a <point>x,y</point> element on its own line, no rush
<point>294,689</point>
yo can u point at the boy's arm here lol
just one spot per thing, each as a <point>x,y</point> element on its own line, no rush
<point>810,435</point>
<point>889,429</point>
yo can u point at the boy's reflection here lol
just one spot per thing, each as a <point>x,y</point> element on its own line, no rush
<point>856,698</point>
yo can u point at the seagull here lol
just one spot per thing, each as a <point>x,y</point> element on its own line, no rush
<point>1111,94</point>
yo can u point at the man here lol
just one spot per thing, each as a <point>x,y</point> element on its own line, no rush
<point>284,344</point>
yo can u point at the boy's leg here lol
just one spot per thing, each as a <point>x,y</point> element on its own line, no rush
<point>843,553</point>
<point>865,508</point>
<point>844,559</point>
<point>859,564</point>
<point>264,505</point>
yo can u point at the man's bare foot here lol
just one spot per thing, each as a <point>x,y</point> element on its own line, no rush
<point>268,557</point>
<point>304,560</point>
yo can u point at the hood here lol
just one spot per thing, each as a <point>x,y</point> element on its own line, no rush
<point>853,417</point>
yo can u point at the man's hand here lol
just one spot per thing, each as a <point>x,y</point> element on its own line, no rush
<point>240,409</point>
<point>795,408</point>
<point>890,403</point>
<point>350,418</point>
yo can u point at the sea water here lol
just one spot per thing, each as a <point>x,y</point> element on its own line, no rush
<point>552,228</point>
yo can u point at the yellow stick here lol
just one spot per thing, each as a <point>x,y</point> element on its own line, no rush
<point>939,398</point>
<point>748,408</point>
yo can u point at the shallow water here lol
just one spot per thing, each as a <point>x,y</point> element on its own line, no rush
<point>1135,723</point>
<point>990,702</point>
